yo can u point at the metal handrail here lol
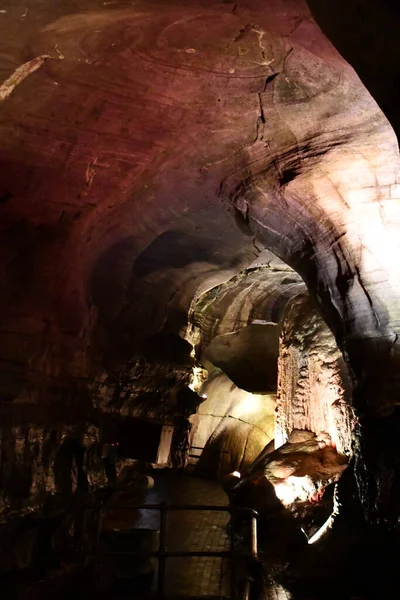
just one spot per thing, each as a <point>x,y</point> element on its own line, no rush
<point>162,553</point>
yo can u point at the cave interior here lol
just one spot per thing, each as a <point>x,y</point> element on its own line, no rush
<point>199,246</point>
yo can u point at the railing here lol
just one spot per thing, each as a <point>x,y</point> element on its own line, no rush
<point>162,554</point>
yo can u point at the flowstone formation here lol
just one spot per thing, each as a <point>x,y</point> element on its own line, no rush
<point>314,385</point>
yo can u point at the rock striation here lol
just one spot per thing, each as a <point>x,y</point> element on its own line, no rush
<point>154,156</point>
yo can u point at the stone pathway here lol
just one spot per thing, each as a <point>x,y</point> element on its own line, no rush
<point>199,530</point>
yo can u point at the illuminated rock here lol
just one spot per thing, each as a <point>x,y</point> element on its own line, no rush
<point>230,428</point>
<point>314,387</point>
<point>150,159</point>
<point>300,471</point>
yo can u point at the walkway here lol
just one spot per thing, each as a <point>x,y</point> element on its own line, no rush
<point>198,530</point>
<point>191,530</point>
<point>187,530</point>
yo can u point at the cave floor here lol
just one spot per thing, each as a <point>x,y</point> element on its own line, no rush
<point>199,530</point>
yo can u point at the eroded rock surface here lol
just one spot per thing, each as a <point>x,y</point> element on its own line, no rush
<point>231,427</point>
<point>314,387</point>
<point>149,153</point>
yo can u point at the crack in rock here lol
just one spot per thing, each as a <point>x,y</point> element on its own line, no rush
<point>261,116</point>
<point>226,416</point>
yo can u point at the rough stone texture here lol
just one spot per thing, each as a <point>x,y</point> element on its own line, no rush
<point>36,462</point>
<point>234,325</point>
<point>314,387</point>
<point>258,294</point>
<point>151,157</point>
<point>313,458</point>
<point>282,486</point>
<point>248,356</point>
<point>155,390</point>
<point>151,390</point>
<point>230,427</point>
<point>45,472</point>
<point>306,461</point>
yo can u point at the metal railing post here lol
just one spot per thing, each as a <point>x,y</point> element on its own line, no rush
<point>83,530</point>
<point>162,549</point>
<point>98,529</point>
<point>233,556</point>
<point>247,588</point>
<point>162,553</point>
<point>254,545</point>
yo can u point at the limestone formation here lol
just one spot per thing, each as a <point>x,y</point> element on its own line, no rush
<point>193,189</point>
<point>230,428</point>
<point>314,387</point>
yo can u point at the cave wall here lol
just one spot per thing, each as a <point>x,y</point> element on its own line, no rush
<point>314,386</point>
<point>235,328</point>
<point>40,461</point>
<point>157,390</point>
<point>50,459</point>
<point>310,376</point>
<point>149,153</point>
<point>235,325</point>
<point>34,463</point>
<point>257,294</point>
<point>230,428</point>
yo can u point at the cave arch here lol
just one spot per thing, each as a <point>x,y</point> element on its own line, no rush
<point>145,163</point>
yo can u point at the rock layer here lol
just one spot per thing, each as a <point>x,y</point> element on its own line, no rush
<point>151,157</point>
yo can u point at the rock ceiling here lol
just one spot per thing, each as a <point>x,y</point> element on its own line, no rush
<point>150,151</point>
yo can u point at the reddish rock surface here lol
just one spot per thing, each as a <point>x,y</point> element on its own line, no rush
<point>149,152</point>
